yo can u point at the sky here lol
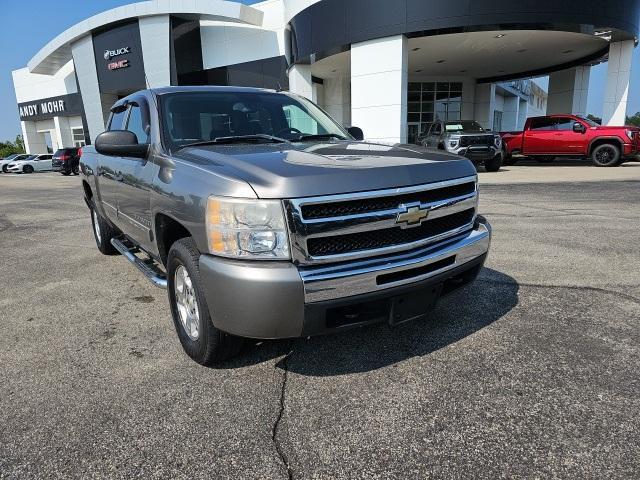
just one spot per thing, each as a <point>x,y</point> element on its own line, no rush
<point>28,25</point>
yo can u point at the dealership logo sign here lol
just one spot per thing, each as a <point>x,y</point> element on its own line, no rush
<point>109,54</point>
<point>44,108</point>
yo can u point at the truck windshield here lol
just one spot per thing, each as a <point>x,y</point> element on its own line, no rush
<point>463,126</point>
<point>196,117</point>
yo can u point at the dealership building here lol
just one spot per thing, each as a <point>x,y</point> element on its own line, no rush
<point>388,67</point>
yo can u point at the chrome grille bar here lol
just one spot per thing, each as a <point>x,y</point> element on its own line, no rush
<point>302,230</point>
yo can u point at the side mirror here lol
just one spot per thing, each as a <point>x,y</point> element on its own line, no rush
<point>579,128</point>
<point>356,133</point>
<point>120,143</point>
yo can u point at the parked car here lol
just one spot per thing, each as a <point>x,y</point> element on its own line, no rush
<point>266,219</point>
<point>466,138</point>
<point>33,163</point>
<point>545,138</point>
<point>67,160</point>
<point>12,158</point>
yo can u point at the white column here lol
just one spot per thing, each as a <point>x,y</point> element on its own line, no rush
<point>616,93</point>
<point>511,113</point>
<point>34,141</point>
<point>156,53</point>
<point>85,66</point>
<point>379,82</point>
<point>523,114</point>
<point>568,91</point>
<point>300,81</point>
<point>62,132</point>
<point>337,99</point>
<point>485,99</point>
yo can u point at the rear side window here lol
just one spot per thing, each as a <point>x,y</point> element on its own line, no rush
<point>543,123</point>
<point>117,120</point>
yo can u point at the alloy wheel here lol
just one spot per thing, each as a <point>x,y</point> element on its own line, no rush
<point>186,303</point>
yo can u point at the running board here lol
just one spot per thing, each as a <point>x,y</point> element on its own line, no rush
<point>148,268</point>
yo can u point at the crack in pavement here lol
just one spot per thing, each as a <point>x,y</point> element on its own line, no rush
<point>626,296</point>
<point>276,426</point>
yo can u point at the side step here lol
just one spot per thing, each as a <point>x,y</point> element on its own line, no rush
<point>148,267</point>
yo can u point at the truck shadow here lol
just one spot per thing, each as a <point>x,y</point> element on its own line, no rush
<point>456,317</point>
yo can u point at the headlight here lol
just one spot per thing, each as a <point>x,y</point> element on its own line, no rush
<point>243,228</point>
<point>631,134</point>
<point>498,141</point>
<point>453,143</point>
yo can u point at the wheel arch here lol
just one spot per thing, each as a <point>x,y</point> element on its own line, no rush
<point>167,231</point>
<point>596,142</point>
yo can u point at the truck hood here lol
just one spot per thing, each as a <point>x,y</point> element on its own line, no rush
<point>606,128</point>
<point>309,169</point>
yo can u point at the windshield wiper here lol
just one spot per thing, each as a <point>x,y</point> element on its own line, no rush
<point>321,136</point>
<point>236,139</point>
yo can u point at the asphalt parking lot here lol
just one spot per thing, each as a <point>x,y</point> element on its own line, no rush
<point>532,372</point>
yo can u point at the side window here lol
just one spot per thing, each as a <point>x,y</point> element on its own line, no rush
<point>117,120</point>
<point>135,125</point>
<point>565,124</point>
<point>543,123</point>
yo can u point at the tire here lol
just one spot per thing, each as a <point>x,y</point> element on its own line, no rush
<point>65,173</point>
<point>27,169</point>
<point>494,164</point>
<point>103,232</point>
<point>4,169</point>
<point>203,342</point>
<point>606,155</point>
<point>75,169</point>
<point>545,159</point>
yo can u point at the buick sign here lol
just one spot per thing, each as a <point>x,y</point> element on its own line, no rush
<point>109,54</point>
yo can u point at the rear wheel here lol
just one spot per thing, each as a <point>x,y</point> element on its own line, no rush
<point>66,173</point>
<point>494,164</point>
<point>27,169</point>
<point>606,155</point>
<point>76,169</point>
<point>200,339</point>
<point>103,232</point>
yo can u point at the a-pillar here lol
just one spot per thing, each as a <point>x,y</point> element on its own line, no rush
<point>616,92</point>
<point>379,83</point>
<point>568,91</point>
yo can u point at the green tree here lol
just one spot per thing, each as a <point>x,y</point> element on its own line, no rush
<point>634,120</point>
<point>8,148</point>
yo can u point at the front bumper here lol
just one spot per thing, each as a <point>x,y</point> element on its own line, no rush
<point>280,300</point>
<point>630,150</point>
<point>14,169</point>
<point>477,154</point>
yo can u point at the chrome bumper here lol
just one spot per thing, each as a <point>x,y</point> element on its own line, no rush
<point>356,278</point>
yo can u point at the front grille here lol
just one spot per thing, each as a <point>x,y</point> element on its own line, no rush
<point>355,207</point>
<point>486,140</point>
<point>388,237</point>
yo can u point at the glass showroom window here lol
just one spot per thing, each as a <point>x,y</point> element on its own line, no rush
<point>78,137</point>
<point>429,101</point>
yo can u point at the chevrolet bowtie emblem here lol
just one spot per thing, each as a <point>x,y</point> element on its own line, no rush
<point>412,217</point>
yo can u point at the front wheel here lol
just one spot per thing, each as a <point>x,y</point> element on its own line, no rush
<point>200,339</point>
<point>5,168</point>
<point>103,232</point>
<point>494,164</point>
<point>606,155</point>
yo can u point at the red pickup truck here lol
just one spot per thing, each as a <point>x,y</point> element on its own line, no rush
<point>545,138</point>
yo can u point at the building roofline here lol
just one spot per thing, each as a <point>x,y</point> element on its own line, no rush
<point>58,51</point>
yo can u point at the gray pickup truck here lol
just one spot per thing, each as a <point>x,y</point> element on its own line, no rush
<point>466,138</point>
<point>265,219</point>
